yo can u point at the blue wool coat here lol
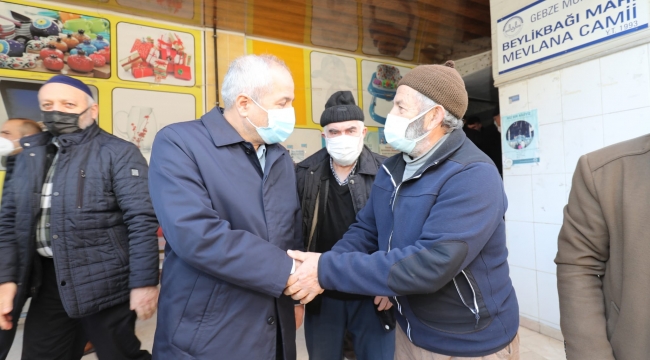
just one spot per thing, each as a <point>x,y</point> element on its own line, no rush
<point>228,227</point>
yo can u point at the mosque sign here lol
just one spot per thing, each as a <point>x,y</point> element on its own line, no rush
<point>547,29</point>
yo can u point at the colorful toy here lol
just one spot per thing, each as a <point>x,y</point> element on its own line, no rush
<point>87,47</point>
<point>70,41</point>
<point>51,50</point>
<point>80,62</point>
<point>53,63</point>
<point>100,43</point>
<point>383,85</point>
<point>44,27</point>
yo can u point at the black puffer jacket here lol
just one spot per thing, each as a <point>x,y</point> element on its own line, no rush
<point>103,226</point>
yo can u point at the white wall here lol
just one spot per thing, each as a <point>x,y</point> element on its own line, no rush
<point>581,108</point>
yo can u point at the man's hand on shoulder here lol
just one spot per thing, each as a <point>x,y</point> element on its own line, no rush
<point>7,295</point>
<point>144,301</point>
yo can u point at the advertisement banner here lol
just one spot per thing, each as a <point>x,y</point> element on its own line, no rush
<point>547,29</point>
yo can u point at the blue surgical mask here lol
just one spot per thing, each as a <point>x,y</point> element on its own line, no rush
<point>395,132</point>
<point>281,124</point>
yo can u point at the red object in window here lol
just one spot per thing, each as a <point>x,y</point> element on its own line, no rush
<point>182,72</point>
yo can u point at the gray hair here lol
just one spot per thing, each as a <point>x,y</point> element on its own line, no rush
<point>449,122</point>
<point>90,101</point>
<point>250,75</point>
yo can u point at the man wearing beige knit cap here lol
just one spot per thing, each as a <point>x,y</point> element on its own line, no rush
<point>428,237</point>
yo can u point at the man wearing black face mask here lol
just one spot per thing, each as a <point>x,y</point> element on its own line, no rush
<point>77,234</point>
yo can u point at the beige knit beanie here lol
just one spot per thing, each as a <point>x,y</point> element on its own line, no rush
<point>440,83</point>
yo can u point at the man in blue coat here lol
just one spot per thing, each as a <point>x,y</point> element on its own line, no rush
<point>429,237</point>
<point>224,191</point>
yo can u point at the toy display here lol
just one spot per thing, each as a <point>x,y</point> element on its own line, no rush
<point>32,35</point>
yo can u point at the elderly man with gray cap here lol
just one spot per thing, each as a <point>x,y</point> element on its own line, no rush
<point>428,237</point>
<point>77,234</point>
<point>334,185</point>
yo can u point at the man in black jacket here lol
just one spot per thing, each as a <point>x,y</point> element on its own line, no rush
<point>333,185</point>
<point>12,131</point>
<point>77,234</point>
<point>10,134</point>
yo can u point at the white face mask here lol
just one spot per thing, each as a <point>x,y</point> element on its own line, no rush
<point>345,149</point>
<point>7,146</point>
<point>281,124</point>
<point>395,132</point>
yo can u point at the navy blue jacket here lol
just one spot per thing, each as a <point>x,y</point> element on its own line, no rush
<point>228,227</point>
<point>436,243</point>
<point>102,223</point>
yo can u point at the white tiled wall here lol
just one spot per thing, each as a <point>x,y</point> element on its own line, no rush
<point>580,109</point>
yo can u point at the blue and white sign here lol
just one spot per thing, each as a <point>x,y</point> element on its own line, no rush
<point>547,29</point>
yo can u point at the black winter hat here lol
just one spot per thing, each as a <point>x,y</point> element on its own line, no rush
<point>341,107</point>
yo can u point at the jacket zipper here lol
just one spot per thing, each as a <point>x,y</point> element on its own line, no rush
<point>475,310</point>
<point>80,189</point>
<point>392,202</point>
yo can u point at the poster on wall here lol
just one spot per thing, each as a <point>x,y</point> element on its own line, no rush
<point>520,139</point>
<point>155,55</point>
<point>303,143</point>
<point>177,8</point>
<point>372,141</point>
<point>390,28</point>
<point>56,42</point>
<point>379,82</point>
<point>329,74</point>
<point>139,114</point>
<point>384,147</point>
<point>334,24</point>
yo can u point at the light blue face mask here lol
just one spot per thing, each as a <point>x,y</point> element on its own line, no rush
<point>281,124</point>
<point>395,132</point>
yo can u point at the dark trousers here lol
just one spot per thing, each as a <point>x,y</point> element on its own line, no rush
<point>51,334</point>
<point>324,332</point>
<point>7,338</point>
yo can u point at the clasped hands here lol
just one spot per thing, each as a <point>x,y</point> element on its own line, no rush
<point>303,283</point>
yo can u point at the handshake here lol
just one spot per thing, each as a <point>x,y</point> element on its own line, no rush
<point>303,283</point>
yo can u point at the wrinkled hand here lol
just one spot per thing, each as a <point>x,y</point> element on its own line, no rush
<point>304,282</point>
<point>299,310</point>
<point>144,301</point>
<point>7,294</point>
<point>383,303</point>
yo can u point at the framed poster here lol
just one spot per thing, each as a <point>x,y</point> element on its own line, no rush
<point>520,138</point>
<point>138,115</point>
<point>390,28</point>
<point>56,42</point>
<point>155,55</point>
<point>329,74</point>
<point>303,143</point>
<point>379,82</point>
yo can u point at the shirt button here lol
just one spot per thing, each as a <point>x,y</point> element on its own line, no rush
<point>32,154</point>
<point>56,193</point>
<point>47,225</point>
<point>26,144</point>
<point>55,237</point>
<point>352,182</point>
<point>63,283</point>
<point>271,320</point>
